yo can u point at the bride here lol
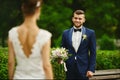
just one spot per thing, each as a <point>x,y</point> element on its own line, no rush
<point>29,46</point>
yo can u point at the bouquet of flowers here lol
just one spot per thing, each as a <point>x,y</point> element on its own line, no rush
<point>59,54</point>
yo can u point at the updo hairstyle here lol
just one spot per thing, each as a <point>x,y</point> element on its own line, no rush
<point>29,6</point>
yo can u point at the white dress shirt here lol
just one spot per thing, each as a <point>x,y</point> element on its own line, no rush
<point>76,38</point>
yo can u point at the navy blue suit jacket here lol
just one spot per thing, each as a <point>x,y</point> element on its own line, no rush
<point>86,54</point>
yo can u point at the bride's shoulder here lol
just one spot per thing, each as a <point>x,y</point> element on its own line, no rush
<point>45,32</point>
<point>12,33</point>
<point>44,36</point>
<point>12,30</point>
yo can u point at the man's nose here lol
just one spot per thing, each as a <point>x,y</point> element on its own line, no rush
<point>77,20</point>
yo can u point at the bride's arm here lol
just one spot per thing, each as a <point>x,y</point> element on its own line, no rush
<point>11,60</point>
<point>46,60</point>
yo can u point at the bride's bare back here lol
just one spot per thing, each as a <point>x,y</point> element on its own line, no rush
<point>27,38</point>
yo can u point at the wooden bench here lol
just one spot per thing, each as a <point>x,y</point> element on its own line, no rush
<point>111,74</point>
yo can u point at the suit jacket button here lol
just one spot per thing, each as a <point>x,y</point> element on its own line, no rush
<point>75,58</point>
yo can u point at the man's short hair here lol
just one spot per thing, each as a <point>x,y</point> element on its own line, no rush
<point>78,12</point>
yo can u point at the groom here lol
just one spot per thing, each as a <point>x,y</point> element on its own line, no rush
<point>81,43</point>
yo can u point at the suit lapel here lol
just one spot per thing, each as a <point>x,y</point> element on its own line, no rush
<point>70,37</point>
<point>83,33</point>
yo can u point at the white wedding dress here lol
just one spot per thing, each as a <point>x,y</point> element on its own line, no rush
<point>29,67</point>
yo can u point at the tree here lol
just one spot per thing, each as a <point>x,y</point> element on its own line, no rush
<point>9,17</point>
<point>102,15</point>
<point>56,17</point>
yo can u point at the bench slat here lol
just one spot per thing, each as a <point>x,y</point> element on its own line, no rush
<point>107,72</point>
<point>105,77</point>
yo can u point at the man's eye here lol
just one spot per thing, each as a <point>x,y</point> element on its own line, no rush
<point>77,18</point>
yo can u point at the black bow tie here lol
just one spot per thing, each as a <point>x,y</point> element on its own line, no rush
<point>75,30</point>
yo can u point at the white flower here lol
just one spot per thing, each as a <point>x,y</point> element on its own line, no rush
<point>84,36</point>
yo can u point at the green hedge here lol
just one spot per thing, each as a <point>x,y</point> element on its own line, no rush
<point>106,43</point>
<point>3,63</point>
<point>105,60</point>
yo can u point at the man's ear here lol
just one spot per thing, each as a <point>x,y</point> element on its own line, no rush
<point>84,20</point>
<point>72,18</point>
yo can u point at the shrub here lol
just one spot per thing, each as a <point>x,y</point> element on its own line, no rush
<point>106,43</point>
<point>105,60</point>
<point>3,63</point>
<point>58,71</point>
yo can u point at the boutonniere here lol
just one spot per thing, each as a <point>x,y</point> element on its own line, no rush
<point>84,36</point>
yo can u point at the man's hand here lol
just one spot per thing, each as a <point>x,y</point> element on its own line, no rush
<point>89,74</point>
